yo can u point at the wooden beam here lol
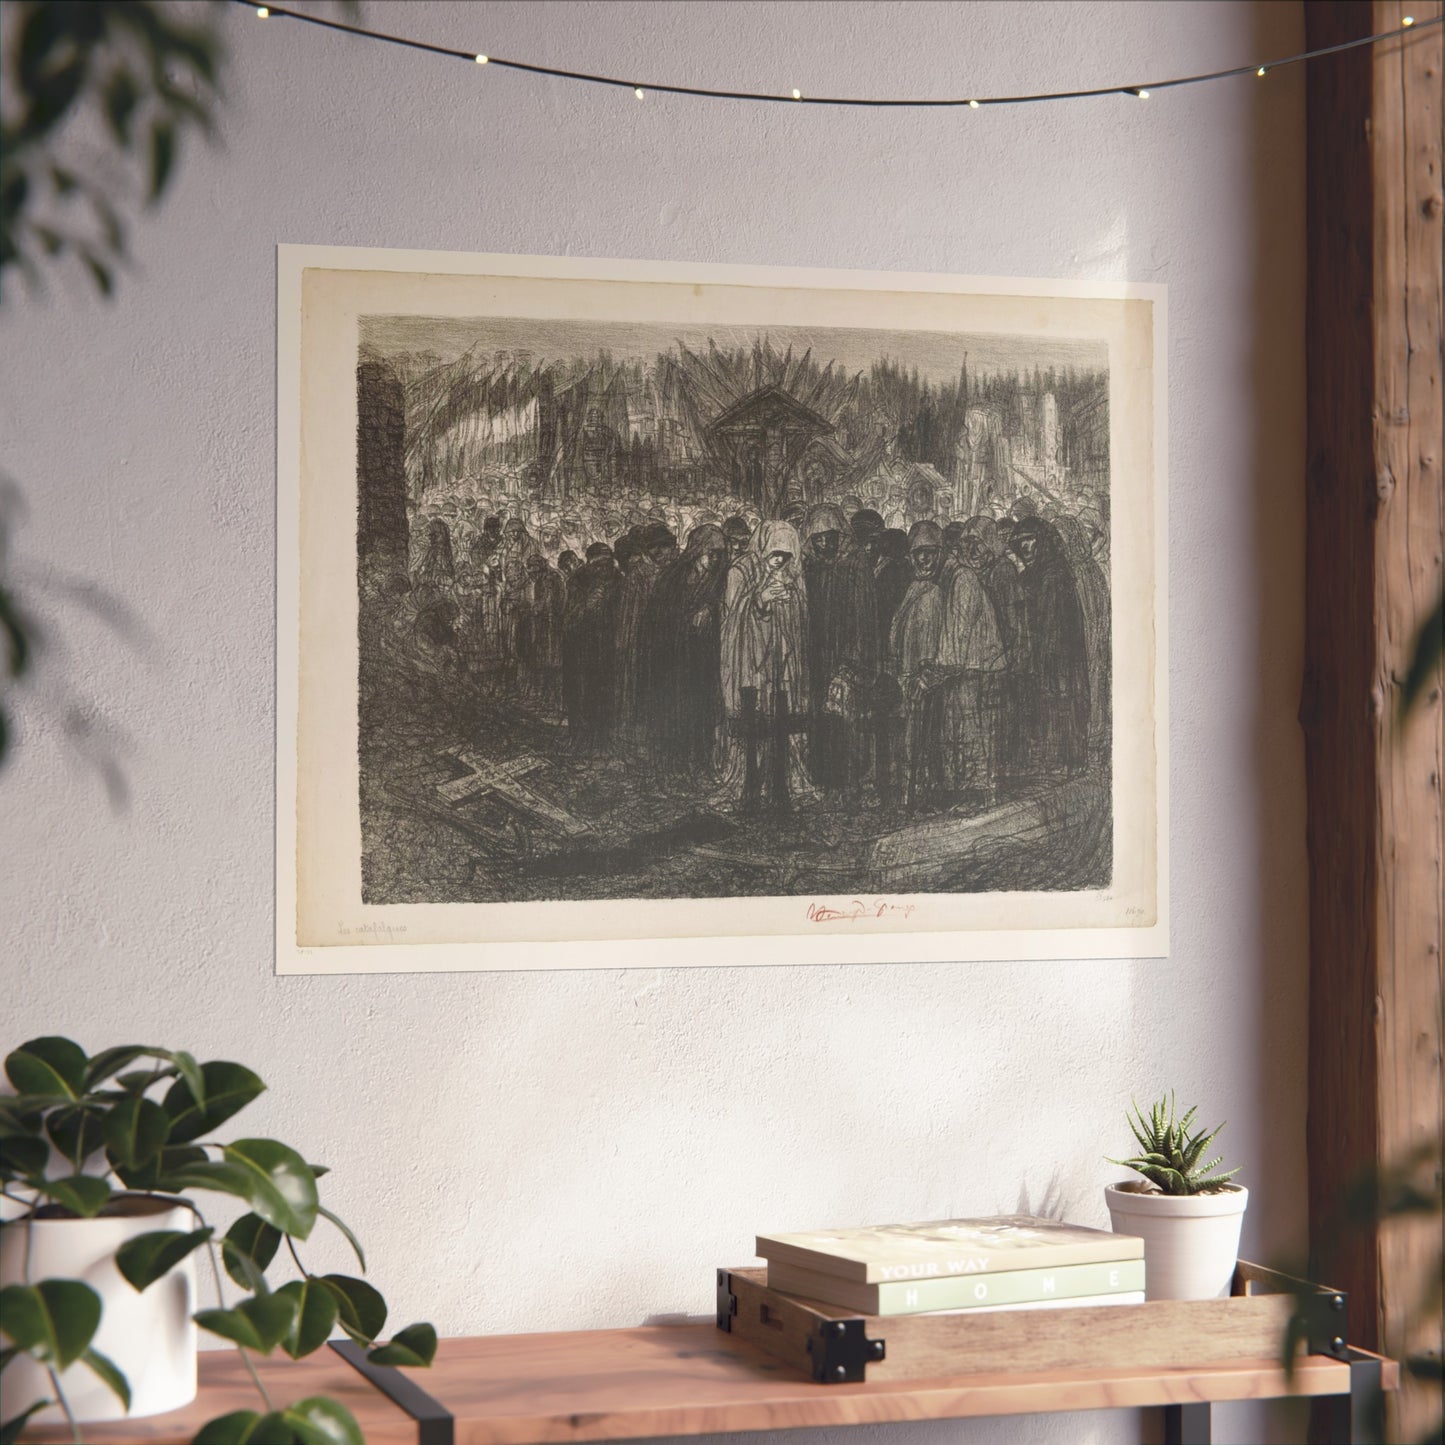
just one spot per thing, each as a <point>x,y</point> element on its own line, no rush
<point>1374,545</point>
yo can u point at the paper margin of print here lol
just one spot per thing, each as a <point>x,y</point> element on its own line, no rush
<point>768,949</point>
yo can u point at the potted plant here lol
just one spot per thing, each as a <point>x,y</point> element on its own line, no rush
<point>1187,1213</point>
<point>102,1229</point>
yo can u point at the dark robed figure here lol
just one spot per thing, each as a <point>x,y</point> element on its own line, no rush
<point>1055,689</point>
<point>589,640</point>
<point>682,645</point>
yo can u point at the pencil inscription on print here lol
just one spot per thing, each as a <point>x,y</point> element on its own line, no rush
<point>652,612</point>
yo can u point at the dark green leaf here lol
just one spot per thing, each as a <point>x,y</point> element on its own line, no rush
<point>163,155</point>
<point>415,1345</point>
<point>259,1323</point>
<point>245,1427</point>
<point>193,1074</point>
<point>362,1310</point>
<point>282,1186</point>
<point>106,1368</point>
<point>135,1131</point>
<point>319,1421</point>
<point>55,1320</point>
<point>19,1118</point>
<point>149,1257</point>
<point>228,1089</point>
<point>49,1065</point>
<point>84,1194</point>
<point>316,1311</point>
<point>318,1169</point>
<point>351,1239</point>
<point>21,1157</point>
<point>223,1178</point>
<point>156,1173</point>
<point>11,1430</point>
<point>113,1060</point>
<point>250,1240</point>
<point>76,1131</point>
<point>137,1081</point>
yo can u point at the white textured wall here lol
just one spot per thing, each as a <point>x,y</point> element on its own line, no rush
<point>555,1150</point>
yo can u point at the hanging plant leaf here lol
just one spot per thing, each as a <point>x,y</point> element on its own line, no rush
<point>282,1187</point>
<point>149,1257</point>
<point>227,1089</point>
<point>248,1249</point>
<point>83,1194</point>
<point>135,1131</point>
<point>351,1239</point>
<point>259,1323</point>
<point>316,1311</point>
<point>55,1320</point>
<point>110,1373</point>
<point>361,1309</point>
<point>49,1065</point>
<point>111,1061</point>
<point>319,1421</point>
<point>415,1345</point>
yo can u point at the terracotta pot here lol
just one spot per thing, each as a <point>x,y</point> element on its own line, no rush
<point>149,1336</point>
<point>1191,1241</point>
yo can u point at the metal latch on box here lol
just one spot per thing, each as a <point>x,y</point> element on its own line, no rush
<point>841,1352</point>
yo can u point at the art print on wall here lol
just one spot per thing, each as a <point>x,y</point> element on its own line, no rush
<point>640,614</point>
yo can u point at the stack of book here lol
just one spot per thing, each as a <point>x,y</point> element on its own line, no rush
<point>1012,1261</point>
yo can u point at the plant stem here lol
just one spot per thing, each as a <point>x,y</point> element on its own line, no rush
<point>221,1301</point>
<point>64,1404</point>
<point>290,1244</point>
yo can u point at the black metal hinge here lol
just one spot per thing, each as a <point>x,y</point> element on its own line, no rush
<point>841,1352</point>
<point>1327,1324</point>
<point>727,1301</point>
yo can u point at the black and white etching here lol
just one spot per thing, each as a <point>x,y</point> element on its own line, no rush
<point>652,612</point>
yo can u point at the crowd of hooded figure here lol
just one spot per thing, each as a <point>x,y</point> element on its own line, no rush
<point>768,662</point>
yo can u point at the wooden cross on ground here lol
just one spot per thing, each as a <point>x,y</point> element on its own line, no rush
<point>504,781</point>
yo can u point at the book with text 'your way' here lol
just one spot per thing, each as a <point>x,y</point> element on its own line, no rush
<point>962,1292</point>
<point>884,1253</point>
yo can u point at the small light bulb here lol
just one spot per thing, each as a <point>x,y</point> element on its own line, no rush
<point>482,59</point>
<point>638,92</point>
<point>262,12</point>
<point>1408,21</point>
<point>1260,72</point>
<point>797,95</point>
<point>1143,94</point>
<point>973,105</point>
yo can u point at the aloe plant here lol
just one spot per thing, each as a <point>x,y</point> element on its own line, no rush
<point>81,1131</point>
<point>1170,1154</point>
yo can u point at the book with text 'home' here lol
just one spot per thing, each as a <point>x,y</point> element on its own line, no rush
<point>961,1292</point>
<point>884,1253</point>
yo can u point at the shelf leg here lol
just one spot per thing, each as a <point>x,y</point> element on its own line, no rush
<point>1359,1417</point>
<point>1187,1424</point>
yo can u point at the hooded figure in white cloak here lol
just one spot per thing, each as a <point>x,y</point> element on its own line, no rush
<point>764,643</point>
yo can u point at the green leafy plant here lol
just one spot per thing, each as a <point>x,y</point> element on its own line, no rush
<point>83,1133</point>
<point>1171,1156</point>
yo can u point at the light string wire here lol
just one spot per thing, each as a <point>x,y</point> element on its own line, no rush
<point>639,88</point>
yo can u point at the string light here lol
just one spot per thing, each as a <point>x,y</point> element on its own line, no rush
<point>592,78</point>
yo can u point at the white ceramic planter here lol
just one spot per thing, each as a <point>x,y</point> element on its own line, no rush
<point>1191,1241</point>
<point>150,1336</point>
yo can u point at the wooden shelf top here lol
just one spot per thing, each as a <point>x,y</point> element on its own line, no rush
<point>688,1379</point>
